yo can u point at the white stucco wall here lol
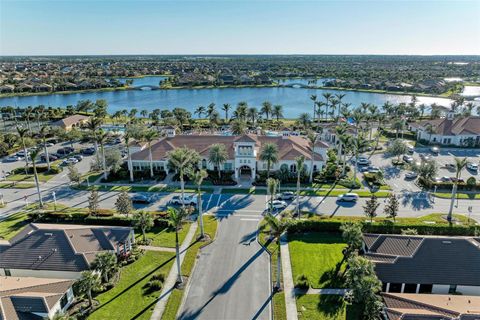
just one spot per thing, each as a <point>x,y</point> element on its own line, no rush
<point>42,274</point>
<point>440,288</point>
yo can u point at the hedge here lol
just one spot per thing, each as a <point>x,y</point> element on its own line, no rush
<point>54,169</point>
<point>301,226</point>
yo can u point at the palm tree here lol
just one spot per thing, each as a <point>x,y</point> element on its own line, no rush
<point>339,97</point>
<point>238,127</point>
<point>217,156</point>
<point>33,155</point>
<point>88,282</point>
<point>102,138</point>
<point>312,138</point>
<point>266,109</point>
<point>252,113</point>
<point>22,132</point>
<point>199,111</point>
<point>144,221</point>
<point>198,178</point>
<point>241,111</point>
<point>210,109</point>
<point>93,124</point>
<point>149,136</point>
<point>269,154</point>
<point>182,160</point>
<point>328,97</point>
<point>175,220</point>
<point>460,164</point>
<point>430,130</point>
<point>277,228</point>
<point>304,120</point>
<point>127,136</point>
<point>313,97</point>
<point>226,108</point>
<point>339,132</point>
<point>105,263</point>
<point>277,112</point>
<point>272,186</point>
<point>357,117</point>
<point>299,162</point>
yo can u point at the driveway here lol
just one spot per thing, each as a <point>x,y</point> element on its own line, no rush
<point>232,277</point>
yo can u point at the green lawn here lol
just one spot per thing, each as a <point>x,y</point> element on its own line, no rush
<point>138,188</point>
<point>16,185</point>
<point>42,177</point>
<point>316,255</point>
<point>327,307</point>
<point>175,299</point>
<point>129,299</point>
<point>11,225</point>
<point>448,195</point>
<point>279,308</point>
<point>164,237</point>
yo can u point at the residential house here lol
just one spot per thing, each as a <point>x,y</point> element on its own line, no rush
<point>406,306</point>
<point>243,152</point>
<point>75,121</point>
<point>34,298</point>
<point>425,264</point>
<point>60,251</point>
<point>451,130</point>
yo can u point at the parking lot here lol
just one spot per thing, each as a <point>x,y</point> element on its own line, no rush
<point>395,176</point>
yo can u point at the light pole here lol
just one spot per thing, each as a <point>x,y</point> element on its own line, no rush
<point>2,203</point>
<point>434,192</point>
<point>54,200</point>
<point>470,209</point>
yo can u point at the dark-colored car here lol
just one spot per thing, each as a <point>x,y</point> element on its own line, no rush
<point>140,198</point>
<point>88,151</point>
<point>51,157</point>
<point>78,157</point>
<point>63,151</point>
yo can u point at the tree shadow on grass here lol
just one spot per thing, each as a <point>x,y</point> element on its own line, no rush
<point>332,278</point>
<point>331,305</point>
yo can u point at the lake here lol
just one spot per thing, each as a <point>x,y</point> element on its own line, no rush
<point>293,100</point>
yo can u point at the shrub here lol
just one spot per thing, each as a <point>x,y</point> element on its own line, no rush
<point>301,282</point>
<point>409,231</point>
<point>471,183</point>
<point>155,285</point>
<point>40,169</point>
<point>158,276</point>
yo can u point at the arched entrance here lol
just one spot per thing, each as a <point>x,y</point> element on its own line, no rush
<point>245,172</point>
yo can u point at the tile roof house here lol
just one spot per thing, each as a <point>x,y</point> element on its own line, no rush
<point>75,121</point>
<point>24,298</point>
<point>450,130</point>
<point>405,306</point>
<point>60,251</point>
<point>243,152</point>
<point>425,264</point>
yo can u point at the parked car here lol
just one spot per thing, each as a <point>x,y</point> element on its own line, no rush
<point>21,154</point>
<point>140,198</point>
<point>411,175</point>
<point>88,151</point>
<point>63,151</point>
<point>407,158</point>
<point>410,149</point>
<point>459,180</point>
<point>425,157</point>
<point>348,197</point>
<point>363,161</point>
<point>48,145</point>
<point>69,161</point>
<point>187,200</point>
<point>279,204</point>
<point>51,157</point>
<point>373,169</point>
<point>69,149</point>
<point>472,167</point>
<point>435,150</point>
<point>445,179</point>
<point>78,157</point>
<point>450,166</point>
<point>288,195</point>
<point>12,158</point>
<point>363,169</point>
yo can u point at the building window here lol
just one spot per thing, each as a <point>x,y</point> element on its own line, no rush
<point>315,168</point>
<point>64,301</point>
<point>425,288</point>
<point>204,164</point>
<point>228,166</point>
<point>293,168</point>
<point>452,289</point>
<point>7,272</point>
<point>410,288</point>
<point>395,287</point>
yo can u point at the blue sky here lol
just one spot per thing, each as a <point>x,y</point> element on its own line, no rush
<point>243,27</point>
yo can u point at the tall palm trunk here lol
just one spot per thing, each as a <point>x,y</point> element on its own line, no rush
<point>90,299</point>
<point>298,194</point>
<point>200,213</point>
<point>177,252</point>
<point>104,162</point>
<point>46,152</point>
<point>452,202</point>
<point>279,265</point>
<point>37,184</point>
<point>26,156</point>
<point>130,166</point>
<point>150,159</point>
<point>182,187</point>
<point>311,165</point>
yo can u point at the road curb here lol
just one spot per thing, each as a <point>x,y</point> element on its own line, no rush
<point>269,267</point>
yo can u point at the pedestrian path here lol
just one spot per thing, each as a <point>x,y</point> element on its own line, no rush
<point>153,248</point>
<point>339,292</point>
<point>288,285</point>
<point>169,284</point>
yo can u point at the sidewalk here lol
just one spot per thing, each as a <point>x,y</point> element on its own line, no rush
<point>172,276</point>
<point>339,292</point>
<point>153,248</point>
<point>288,285</point>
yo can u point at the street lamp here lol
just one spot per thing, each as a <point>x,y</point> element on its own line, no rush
<point>54,200</point>
<point>2,203</point>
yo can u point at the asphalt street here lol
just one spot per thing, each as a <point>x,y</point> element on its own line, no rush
<point>230,279</point>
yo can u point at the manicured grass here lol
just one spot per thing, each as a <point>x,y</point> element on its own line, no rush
<point>251,190</point>
<point>11,225</point>
<point>164,237</point>
<point>317,256</point>
<point>336,193</point>
<point>16,185</point>
<point>42,177</point>
<point>326,307</point>
<point>448,195</point>
<point>279,307</point>
<point>129,299</point>
<point>175,299</point>
<point>138,188</point>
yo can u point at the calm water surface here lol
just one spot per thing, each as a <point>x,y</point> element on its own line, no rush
<point>293,100</point>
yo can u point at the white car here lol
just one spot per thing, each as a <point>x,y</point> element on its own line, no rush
<point>349,197</point>
<point>363,161</point>
<point>187,200</point>
<point>70,161</point>
<point>472,166</point>
<point>287,195</point>
<point>279,204</point>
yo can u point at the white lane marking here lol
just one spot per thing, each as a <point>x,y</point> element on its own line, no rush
<point>233,210</point>
<point>238,215</point>
<point>245,219</point>
<point>208,203</point>
<point>218,201</point>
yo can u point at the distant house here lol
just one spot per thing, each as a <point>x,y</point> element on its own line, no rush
<point>60,251</point>
<point>34,298</point>
<point>464,131</point>
<point>404,306</point>
<point>7,88</point>
<point>425,264</point>
<point>71,122</point>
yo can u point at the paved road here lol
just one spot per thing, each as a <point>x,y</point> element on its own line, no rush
<point>230,279</point>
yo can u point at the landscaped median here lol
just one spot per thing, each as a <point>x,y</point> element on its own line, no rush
<point>176,296</point>
<point>459,195</point>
